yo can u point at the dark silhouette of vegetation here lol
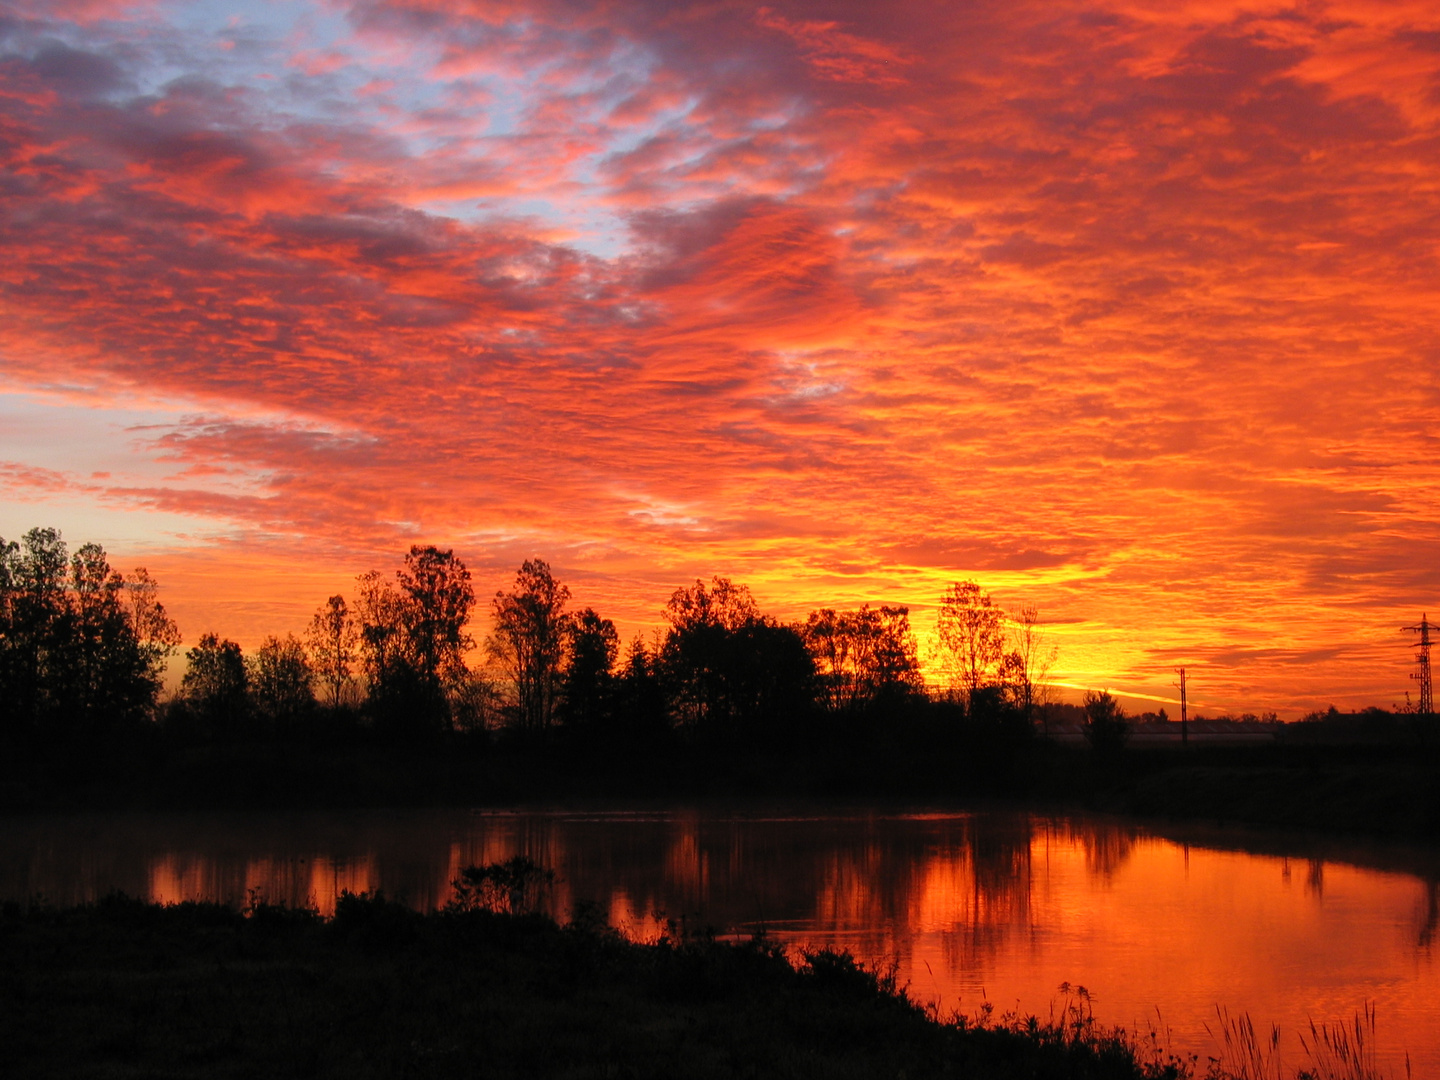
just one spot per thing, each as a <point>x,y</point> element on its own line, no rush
<point>379,990</point>
<point>639,715</point>
<point>587,681</point>
<point>280,685</point>
<point>1027,665</point>
<point>216,687</point>
<point>731,673</point>
<point>436,600</point>
<point>528,643</point>
<point>1106,727</point>
<point>82,647</point>
<point>970,638</point>
<point>727,699</point>
<point>381,615</point>
<point>412,642</point>
<point>517,886</point>
<point>863,657</point>
<point>333,640</point>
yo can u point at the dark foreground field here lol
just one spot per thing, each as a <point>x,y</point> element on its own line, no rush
<point>127,989</point>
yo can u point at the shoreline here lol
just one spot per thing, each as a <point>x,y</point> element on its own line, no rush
<point>378,990</point>
<point>1384,793</point>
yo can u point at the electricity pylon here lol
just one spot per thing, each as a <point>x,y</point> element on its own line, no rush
<point>1422,660</point>
<point>1184,720</point>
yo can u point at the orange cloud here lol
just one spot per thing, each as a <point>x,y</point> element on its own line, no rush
<point>1122,309</point>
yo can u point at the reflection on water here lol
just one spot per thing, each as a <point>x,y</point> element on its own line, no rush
<point>998,906</point>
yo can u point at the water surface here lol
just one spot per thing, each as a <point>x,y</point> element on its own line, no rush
<point>1000,907</point>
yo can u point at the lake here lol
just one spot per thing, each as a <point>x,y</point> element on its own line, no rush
<point>1004,907</point>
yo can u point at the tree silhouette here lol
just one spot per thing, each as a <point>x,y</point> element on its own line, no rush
<point>279,677</point>
<point>861,656</point>
<point>970,638</point>
<point>156,635</point>
<point>440,595</point>
<point>437,598</point>
<point>1028,662</point>
<point>695,657</point>
<point>380,610</point>
<point>412,639</point>
<point>333,640</point>
<point>592,647</point>
<point>528,642</point>
<point>34,606</point>
<point>728,670</point>
<point>82,648</point>
<point>639,707</point>
<point>216,685</point>
<point>1106,727</point>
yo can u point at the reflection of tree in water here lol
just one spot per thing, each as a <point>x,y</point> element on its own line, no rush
<point>687,863</point>
<point>1431,916</point>
<point>860,880</point>
<point>996,904</point>
<point>1107,846</point>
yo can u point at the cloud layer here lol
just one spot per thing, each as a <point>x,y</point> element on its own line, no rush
<point>1123,309</point>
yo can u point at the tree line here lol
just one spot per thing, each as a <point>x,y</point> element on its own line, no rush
<point>83,647</point>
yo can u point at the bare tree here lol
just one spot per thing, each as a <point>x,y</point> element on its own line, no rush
<point>476,704</point>
<point>970,638</point>
<point>1029,661</point>
<point>528,642</point>
<point>155,633</point>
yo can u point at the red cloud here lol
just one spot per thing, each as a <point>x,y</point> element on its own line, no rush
<point>1125,310</point>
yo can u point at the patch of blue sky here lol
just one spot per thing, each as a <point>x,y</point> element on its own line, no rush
<point>306,63</point>
<point>207,39</point>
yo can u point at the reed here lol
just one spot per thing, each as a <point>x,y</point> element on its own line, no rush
<point>1243,1054</point>
<point>1345,1052</point>
<point>1336,1051</point>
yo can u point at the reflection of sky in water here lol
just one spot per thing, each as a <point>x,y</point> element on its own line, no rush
<point>1003,907</point>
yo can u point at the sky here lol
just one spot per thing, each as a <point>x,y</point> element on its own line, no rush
<point>1125,310</point>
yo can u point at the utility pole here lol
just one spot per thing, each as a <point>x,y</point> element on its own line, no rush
<point>1422,660</point>
<point>1184,719</point>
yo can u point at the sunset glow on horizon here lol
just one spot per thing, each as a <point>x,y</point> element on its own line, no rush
<point>1126,310</point>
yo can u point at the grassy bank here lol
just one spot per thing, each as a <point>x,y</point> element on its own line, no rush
<point>124,988</point>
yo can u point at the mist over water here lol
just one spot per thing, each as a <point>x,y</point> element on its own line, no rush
<point>998,906</point>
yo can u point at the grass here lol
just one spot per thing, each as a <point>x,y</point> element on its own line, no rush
<point>1335,1052</point>
<point>123,988</point>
